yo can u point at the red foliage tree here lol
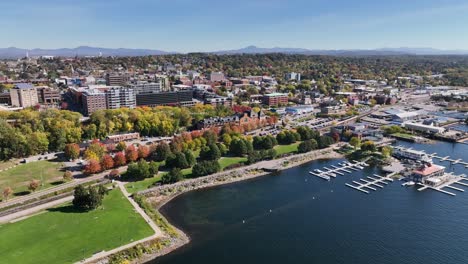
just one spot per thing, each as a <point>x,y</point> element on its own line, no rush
<point>143,152</point>
<point>92,167</point>
<point>336,136</point>
<point>119,159</point>
<point>131,153</point>
<point>107,162</point>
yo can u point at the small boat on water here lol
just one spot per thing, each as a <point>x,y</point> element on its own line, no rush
<point>410,183</point>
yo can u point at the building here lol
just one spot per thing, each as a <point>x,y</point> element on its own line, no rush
<point>219,100</point>
<point>333,108</point>
<point>247,120</point>
<point>182,98</point>
<point>147,87</point>
<point>123,137</point>
<point>424,128</point>
<point>275,99</point>
<point>217,77</point>
<point>301,109</point>
<point>24,95</point>
<point>427,171</point>
<point>116,79</point>
<point>117,97</point>
<point>5,98</point>
<point>93,100</point>
<point>293,76</point>
<point>48,95</point>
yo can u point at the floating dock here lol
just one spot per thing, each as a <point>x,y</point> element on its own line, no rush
<point>452,179</point>
<point>327,173</point>
<point>370,183</point>
<point>446,158</point>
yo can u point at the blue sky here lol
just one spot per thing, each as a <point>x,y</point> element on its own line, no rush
<point>207,25</point>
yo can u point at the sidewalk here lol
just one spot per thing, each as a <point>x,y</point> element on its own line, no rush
<point>157,231</point>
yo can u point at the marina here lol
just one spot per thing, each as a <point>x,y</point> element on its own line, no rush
<point>346,167</point>
<point>448,183</point>
<point>364,185</point>
<point>436,156</point>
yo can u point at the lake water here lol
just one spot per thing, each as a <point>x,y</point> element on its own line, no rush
<point>314,221</point>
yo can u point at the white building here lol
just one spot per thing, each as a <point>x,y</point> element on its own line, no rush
<point>117,97</point>
<point>143,87</point>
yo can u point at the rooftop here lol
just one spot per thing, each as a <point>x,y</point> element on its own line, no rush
<point>24,86</point>
<point>429,169</point>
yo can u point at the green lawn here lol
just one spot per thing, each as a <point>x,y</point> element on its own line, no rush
<point>284,149</point>
<point>133,187</point>
<point>48,172</point>
<point>227,161</point>
<point>403,135</point>
<point>62,235</point>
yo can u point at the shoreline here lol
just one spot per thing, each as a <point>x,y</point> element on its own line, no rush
<point>161,195</point>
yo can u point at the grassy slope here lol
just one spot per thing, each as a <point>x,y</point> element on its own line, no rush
<point>284,149</point>
<point>133,187</point>
<point>227,161</point>
<point>18,178</point>
<point>62,235</point>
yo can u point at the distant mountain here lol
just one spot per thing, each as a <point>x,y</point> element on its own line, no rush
<point>81,51</point>
<point>344,52</point>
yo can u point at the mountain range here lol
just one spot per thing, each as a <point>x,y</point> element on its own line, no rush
<point>82,51</point>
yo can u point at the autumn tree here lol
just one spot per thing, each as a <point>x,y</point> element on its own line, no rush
<point>33,185</point>
<point>72,151</point>
<point>92,167</point>
<point>7,192</point>
<point>131,153</point>
<point>114,174</point>
<point>162,151</point>
<point>107,162</point>
<point>67,175</point>
<point>355,142</point>
<point>143,152</point>
<point>119,159</point>
<point>121,146</point>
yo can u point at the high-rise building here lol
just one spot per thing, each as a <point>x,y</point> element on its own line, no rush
<point>117,97</point>
<point>182,98</point>
<point>93,100</point>
<point>23,95</point>
<point>147,87</point>
<point>48,95</point>
<point>116,79</point>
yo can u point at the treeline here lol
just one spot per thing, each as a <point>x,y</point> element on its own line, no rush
<point>29,132</point>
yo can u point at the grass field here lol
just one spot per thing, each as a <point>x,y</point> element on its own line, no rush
<point>133,187</point>
<point>227,161</point>
<point>62,235</point>
<point>48,172</point>
<point>285,149</point>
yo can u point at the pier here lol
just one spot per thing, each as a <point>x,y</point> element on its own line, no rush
<point>345,167</point>
<point>370,183</point>
<point>450,180</point>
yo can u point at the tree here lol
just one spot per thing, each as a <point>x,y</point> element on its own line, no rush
<point>368,146</point>
<point>107,162</point>
<point>119,159</point>
<point>190,157</point>
<point>238,147</point>
<point>325,141</point>
<point>205,168</point>
<point>307,146</point>
<point>88,199</point>
<point>355,142</point>
<point>177,160</point>
<point>172,176</point>
<point>153,168</point>
<point>210,137</point>
<point>7,192</point>
<point>143,152</point>
<point>95,150</point>
<point>72,151</point>
<point>121,146</point>
<point>162,151</point>
<point>67,175</point>
<point>33,185</point>
<point>386,151</point>
<point>131,153</point>
<point>139,171</point>
<point>92,167</point>
<point>210,152</point>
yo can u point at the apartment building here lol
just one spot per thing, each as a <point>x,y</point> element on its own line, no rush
<point>24,95</point>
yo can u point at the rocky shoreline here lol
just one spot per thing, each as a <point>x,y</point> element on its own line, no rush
<point>160,195</point>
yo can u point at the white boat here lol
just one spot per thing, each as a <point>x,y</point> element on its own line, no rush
<point>405,153</point>
<point>410,183</point>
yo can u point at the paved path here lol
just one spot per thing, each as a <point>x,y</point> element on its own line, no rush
<point>38,194</point>
<point>25,213</point>
<point>157,231</point>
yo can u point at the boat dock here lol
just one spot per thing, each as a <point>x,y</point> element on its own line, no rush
<point>344,167</point>
<point>370,183</point>
<point>452,179</point>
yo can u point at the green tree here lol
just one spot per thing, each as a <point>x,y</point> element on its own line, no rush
<point>162,152</point>
<point>172,176</point>
<point>355,142</point>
